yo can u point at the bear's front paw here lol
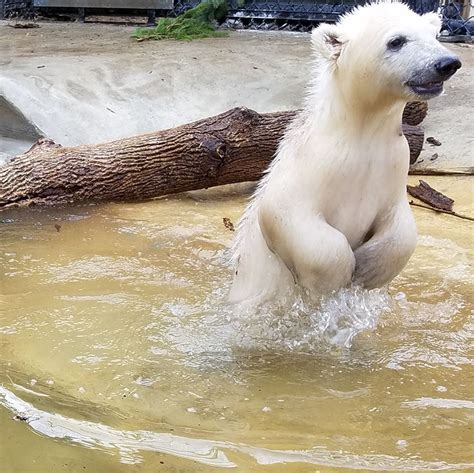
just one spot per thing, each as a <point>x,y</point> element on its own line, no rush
<point>369,268</point>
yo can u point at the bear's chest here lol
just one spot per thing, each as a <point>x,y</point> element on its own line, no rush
<point>353,193</point>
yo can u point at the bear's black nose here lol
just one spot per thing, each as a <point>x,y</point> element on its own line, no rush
<point>447,66</point>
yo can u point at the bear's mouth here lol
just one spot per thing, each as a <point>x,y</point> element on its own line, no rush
<point>427,89</point>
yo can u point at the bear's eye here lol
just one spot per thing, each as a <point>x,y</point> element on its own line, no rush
<point>396,43</point>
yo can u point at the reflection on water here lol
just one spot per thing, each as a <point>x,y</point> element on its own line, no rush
<point>130,444</point>
<point>115,336</point>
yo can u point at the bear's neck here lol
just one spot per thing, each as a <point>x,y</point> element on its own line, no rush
<point>331,106</point>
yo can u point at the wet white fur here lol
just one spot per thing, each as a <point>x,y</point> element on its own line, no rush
<point>332,207</point>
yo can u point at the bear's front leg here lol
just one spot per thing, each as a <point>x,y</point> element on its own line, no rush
<point>386,253</point>
<point>319,256</point>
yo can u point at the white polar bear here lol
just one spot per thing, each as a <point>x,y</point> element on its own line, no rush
<point>332,207</point>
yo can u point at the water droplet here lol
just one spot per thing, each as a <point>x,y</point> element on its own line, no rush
<point>402,443</point>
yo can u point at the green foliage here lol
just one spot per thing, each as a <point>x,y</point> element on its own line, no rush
<point>208,11</point>
<point>198,22</point>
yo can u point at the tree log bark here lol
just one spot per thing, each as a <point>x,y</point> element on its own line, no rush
<point>415,137</point>
<point>235,146</point>
<point>415,113</point>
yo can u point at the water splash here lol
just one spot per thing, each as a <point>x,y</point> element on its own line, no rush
<point>303,326</point>
<point>297,326</point>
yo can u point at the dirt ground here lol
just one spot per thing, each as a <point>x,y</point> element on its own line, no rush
<point>87,83</point>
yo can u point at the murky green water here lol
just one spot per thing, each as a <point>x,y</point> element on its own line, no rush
<point>118,351</point>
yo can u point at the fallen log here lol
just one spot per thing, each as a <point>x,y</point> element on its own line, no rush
<point>235,146</point>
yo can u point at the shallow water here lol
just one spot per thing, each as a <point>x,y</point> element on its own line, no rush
<point>118,351</point>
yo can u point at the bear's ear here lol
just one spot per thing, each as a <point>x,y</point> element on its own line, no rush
<point>433,19</point>
<point>327,41</point>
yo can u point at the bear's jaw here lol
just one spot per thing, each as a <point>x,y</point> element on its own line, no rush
<point>426,90</point>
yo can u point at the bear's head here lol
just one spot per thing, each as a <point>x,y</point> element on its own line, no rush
<point>385,51</point>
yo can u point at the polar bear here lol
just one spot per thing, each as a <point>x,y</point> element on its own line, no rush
<point>332,207</point>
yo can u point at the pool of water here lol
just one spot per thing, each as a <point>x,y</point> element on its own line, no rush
<point>118,351</point>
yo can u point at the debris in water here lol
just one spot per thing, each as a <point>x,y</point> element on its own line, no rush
<point>20,418</point>
<point>433,141</point>
<point>431,196</point>
<point>228,224</point>
<point>434,156</point>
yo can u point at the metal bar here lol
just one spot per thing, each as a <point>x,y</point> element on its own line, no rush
<point>135,4</point>
<point>151,18</point>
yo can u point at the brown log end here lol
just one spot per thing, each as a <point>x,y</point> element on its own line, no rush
<point>415,137</point>
<point>415,112</point>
